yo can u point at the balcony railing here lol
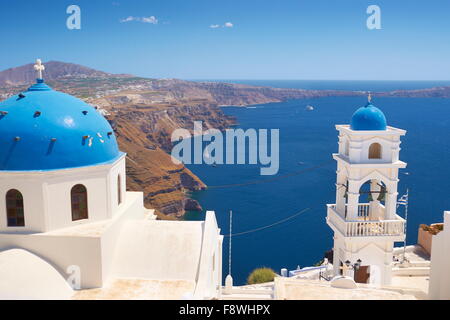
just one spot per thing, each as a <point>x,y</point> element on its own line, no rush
<point>363,210</point>
<point>364,228</point>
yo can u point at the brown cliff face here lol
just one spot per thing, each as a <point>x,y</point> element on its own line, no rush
<point>144,133</point>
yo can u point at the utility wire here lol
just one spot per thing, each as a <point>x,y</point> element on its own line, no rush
<point>268,226</point>
<point>296,173</point>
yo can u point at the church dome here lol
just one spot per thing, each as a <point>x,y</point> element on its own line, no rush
<point>368,117</point>
<point>43,129</point>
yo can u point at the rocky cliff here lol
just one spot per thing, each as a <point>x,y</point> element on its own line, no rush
<point>144,133</point>
<point>231,94</point>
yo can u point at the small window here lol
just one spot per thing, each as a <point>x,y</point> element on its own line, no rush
<point>14,209</point>
<point>119,190</point>
<point>79,202</point>
<point>375,151</point>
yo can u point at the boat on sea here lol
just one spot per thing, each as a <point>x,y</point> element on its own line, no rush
<point>309,108</point>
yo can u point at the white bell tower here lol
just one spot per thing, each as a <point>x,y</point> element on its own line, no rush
<point>364,218</point>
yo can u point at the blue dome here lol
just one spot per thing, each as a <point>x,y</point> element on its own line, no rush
<point>43,129</point>
<point>368,117</point>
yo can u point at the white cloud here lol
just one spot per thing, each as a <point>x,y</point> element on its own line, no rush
<point>130,18</point>
<point>151,19</point>
<point>226,25</point>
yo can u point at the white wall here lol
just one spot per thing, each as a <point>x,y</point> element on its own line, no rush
<point>131,209</point>
<point>171,250</point>
<point>377,254</point>
<point>360,141</point>
<point>47,200</point>
<point>439,287</point>
<point>118,169</point>
<point>154,249</point>
<point>209,277</point>
<point>92,253</point>
<point>32,191</point>
<point>62,252</point>
<point>58,198</point>
<point>379,257</point>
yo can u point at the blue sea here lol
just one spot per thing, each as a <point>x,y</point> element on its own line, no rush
<point>306,140</point>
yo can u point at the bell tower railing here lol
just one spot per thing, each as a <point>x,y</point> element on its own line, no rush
<point>363,210</point>
<point>363,227</point>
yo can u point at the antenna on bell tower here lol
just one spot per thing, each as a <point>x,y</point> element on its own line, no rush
<point>39,67</point>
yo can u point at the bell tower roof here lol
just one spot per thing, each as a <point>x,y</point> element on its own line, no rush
<point>368,118</point>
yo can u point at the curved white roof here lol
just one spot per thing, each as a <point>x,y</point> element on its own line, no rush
<point>27,276</point>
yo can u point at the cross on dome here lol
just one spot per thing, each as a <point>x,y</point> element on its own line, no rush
<point>39,67</point>
<point>369,97</point>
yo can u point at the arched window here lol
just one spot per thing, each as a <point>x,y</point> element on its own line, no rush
<point>14,209</point>
<point>119,190</point>
<point>375,151</point>
<point>346,148</point>
<point>79,201</point>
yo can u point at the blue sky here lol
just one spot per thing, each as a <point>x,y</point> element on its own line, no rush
<point>284,39</point>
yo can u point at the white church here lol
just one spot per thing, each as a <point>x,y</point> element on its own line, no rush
<point>68,227</point>
<point>364,218</point>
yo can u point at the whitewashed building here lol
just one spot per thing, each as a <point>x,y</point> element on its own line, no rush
<point>439,287</point>
<point>65,213</point>
<point>364,218</point>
